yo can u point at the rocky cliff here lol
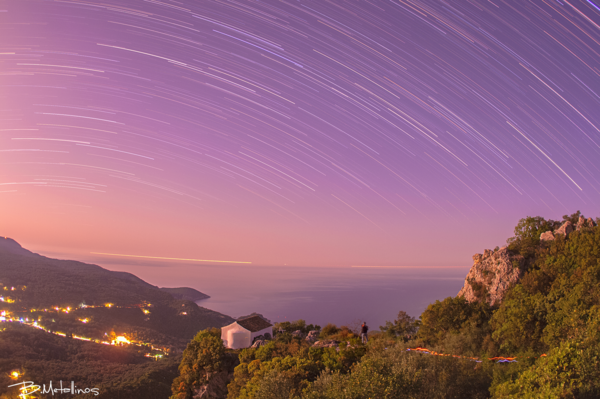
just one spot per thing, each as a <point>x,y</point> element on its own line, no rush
<point>494,272</point>
<point>491,275</point>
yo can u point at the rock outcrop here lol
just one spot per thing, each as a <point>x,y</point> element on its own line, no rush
<point>326,344</point>
<point>547,236</point>
<point>258,343</point>
<point>312,336</point>
<point>565,229</point>
<point>491,275</point>
<point>216,388</point>
<point>582,223</point>
<point>494,272</point>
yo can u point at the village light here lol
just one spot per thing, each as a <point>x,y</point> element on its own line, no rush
<point>15,374</point>
<point>122,340</point>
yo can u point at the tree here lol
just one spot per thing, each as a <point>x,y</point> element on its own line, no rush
<point>401,327</point>
<point>527,235</point>
<point>203,357</point>
<point>441,318</point>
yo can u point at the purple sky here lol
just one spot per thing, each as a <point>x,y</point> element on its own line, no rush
<point>331,133</point>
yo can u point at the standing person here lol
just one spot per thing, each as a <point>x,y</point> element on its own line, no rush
<point>364,329</point>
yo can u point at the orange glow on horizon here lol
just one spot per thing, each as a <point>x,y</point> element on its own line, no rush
<point>419,267</point>
<point>159,257</point>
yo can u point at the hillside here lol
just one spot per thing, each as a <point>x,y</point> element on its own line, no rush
<point>52,282</point>
<point>55,314</point>
<point>117,372</point>
<point>87,300</point>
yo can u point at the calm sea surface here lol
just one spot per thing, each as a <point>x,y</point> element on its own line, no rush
<point>342,296</point>
<point>320,295</point>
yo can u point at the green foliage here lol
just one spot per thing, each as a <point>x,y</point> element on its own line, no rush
<point>261,370</point>
<point>395,373</point>
<point>290,327</point>
<point>452,317</point>
<point>520,322</point>
<point>555,298</point>
<point>527,235</point>
<point>571,370</point>
<point>329,329</point>
<point>403,326</point>
<point>204,356</point>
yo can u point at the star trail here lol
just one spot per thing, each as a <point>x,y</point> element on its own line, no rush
<point>306,132</point>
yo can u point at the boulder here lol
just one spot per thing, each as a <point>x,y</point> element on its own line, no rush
<point>215,388</point>
<point>580,223</point>
<point>312,336</point>
<point>491,275</point>
<point>326,344</point>
<point>258,338</point>
<point>565,229</point>
<point>547,236</point>
<point>591,222</point>
<point>258,343</point>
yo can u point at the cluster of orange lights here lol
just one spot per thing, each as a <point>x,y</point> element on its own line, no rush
<point>6,316</point>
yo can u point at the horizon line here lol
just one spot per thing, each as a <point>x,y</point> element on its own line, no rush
<point>415,267</point>
<point>164,258</point>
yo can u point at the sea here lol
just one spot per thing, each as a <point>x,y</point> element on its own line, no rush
<point>319,295</point>
<point>342,296</point>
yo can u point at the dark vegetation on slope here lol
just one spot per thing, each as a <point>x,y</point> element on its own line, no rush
<point>118,372</point>
<point>549,320</point>
<point>51,283</point>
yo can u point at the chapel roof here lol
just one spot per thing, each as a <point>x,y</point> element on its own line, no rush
<point>254,323</point>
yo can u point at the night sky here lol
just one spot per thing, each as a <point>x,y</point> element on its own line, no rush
<point>295,132</point>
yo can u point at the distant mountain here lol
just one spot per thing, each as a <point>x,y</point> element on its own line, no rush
<point>53,282</point>
<point>10,246</point>
<point>186,293</point>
